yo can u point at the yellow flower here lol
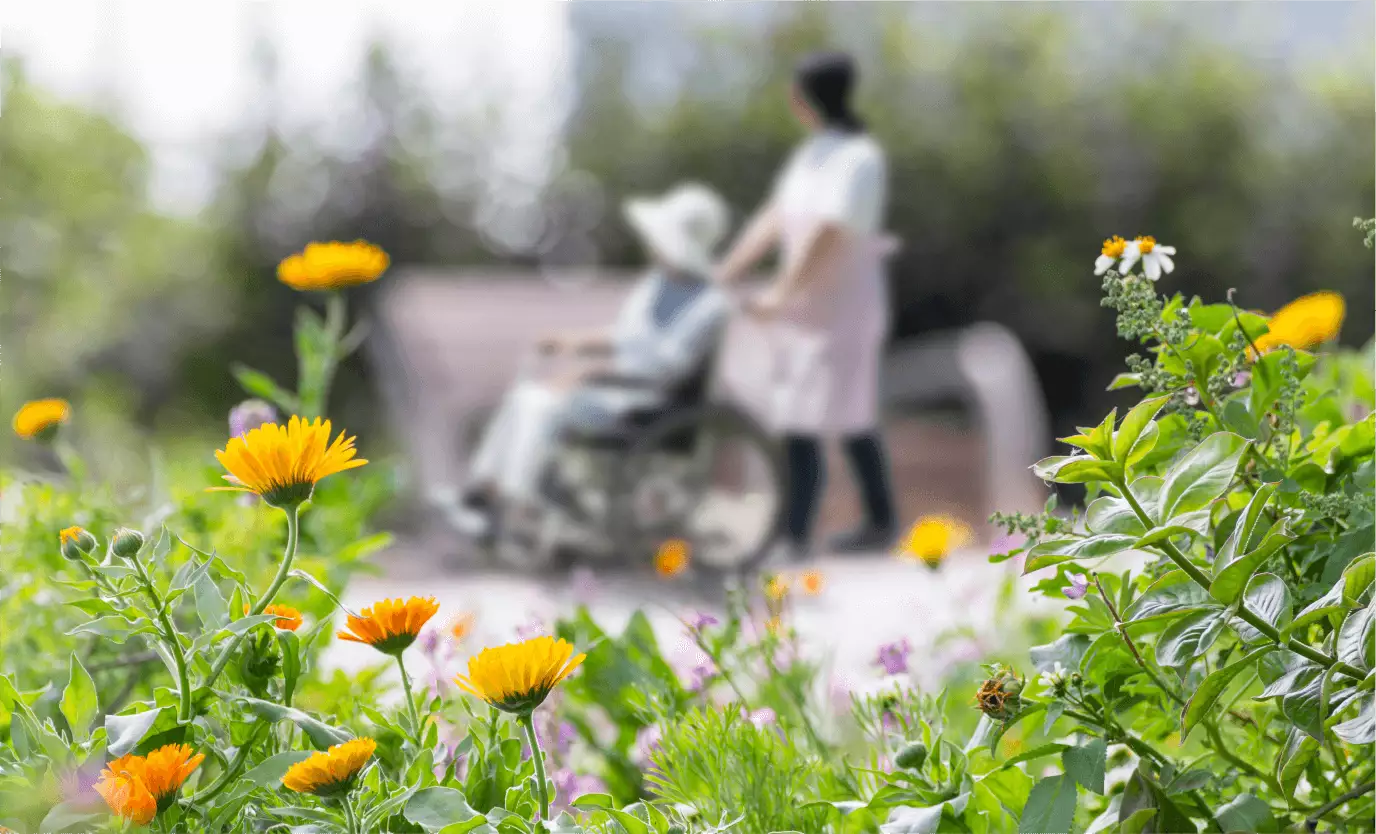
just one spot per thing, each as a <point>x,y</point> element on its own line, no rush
<point>518,677</point>
<point>333,266</point>
<point>1304,323</point>
<point>777,587</point>
<point>390,626</point>
<point>932,539</point>
<point>38,420</point>
<point>137,787</point>
<point>1109,254</point>
<point>283,463</point>
<point>774,625</point>
<point>288,618</point>
<point>672,558</point>
<point>74,541</point>
<point>332,771</point>
<point>812,582</point>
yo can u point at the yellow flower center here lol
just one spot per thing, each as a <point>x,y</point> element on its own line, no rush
<point>1146,244</point>
<point>1114,246</point>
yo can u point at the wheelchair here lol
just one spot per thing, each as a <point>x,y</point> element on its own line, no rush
<point>693,468</point>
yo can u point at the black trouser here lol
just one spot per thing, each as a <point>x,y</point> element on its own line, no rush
<point>807,474</point>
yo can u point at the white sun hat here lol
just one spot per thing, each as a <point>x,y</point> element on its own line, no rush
<point>683,227</point>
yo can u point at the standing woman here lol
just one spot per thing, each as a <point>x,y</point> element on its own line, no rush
<point>829,303</point>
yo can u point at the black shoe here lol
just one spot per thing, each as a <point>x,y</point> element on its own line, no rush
<point>865,539</point>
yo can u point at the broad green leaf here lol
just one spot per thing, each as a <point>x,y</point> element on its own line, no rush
<point>594,800</point>
<point>1067,651</point>
<point>1107,514</point>
<point>1053,552</point>
<point>1124,381</point>
<point>1355,639</point>
<point>269,772</point>
<point>1157,535</point>
<point>1230,581</point>
<point>1330,603</point>
<point>1046,468</point>
<point>72,816</point>
<point>1302,704</point>
<point>1246,813</point>
<point>996,799</point>
<point>1207,694</point>
<point>909,820</point>
<point>1086,765</point>
<point>124,732</point>
<point>1358,577</point>
<point>261,385</point>
<point>1268,597</point>
<point>1299,749</point>
<point>1050,806</point>
<point>211,605</point>
<point>1174,593</point>
<point>1188,637</point>
<point>1247,529</point>
<point>1036,753</point>
<point>322,735</point>
<point>1202,475</point>
<point>436,807</point>
<point>1134,423</point>
<point>113,628</point>
<point>1085,470</point>
<point>1361,729</point>
<point>79,702</point>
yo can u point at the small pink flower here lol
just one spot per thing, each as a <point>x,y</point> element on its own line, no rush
<point>1078,587</point>
<point>762,717</point>
<point>894,657</point>
<point>646,742</point>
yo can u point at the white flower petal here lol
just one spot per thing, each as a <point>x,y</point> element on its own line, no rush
<point>1167,264</point>
<point>1151,265</point>
<point>1166,250</point>
<point>1102,264</point>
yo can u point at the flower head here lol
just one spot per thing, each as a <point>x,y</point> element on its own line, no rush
<point>672,558</point>
<point>517,677</point>
<point>137,787</point>
<point>776,589</point>
<point>38,420</point>
<point>288,618</point>
<point>1000,696</point>
<point>1155,257</point>
<point>1304,323</point>
<point>283,463</point>
<point>701,621</point>
<point>933,537</point>
<point>1079,585</point>
<point>330,772</point>
<point>250,414</point>
<point>75,542</point>
<point>333,266</point>
<point>1054,678</point>
<point>894,656</point>
<point>390,626</point>
<point>1110,254</point>
<point>812,582</point>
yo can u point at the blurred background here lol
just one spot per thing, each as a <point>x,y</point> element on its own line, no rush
<point>159,160</point>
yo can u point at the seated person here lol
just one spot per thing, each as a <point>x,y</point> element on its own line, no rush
<point>666,329</point>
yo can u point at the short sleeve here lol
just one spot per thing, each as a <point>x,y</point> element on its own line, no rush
<point>852,190</point>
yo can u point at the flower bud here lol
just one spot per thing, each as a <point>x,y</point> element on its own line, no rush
<point>1000,696</point>
<point>127,543</point>
<point>912,756</point>
<point>76,542</point>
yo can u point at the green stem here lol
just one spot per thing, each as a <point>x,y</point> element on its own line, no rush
<point>1243,612</point>
<point>349,817</point>
<point>1313,821</point>
<point>1199,386</point>
<point>232,770</point>
<point>410,700</point>
<point>173,642</point>
<point>293,535</point>
<point>538,757</point>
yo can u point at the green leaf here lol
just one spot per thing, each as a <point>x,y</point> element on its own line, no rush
<point>1355,639</point>
<point>79,702</point>
<point>1124,381</point>
<point>1174,593</point>
<point>594,800</point>
<point>322,735</point>
<point>1358,577</point>
<point>1231,580</point>
<point>1299,750</point>
<point>1211,689</point>
<point>1332,602</point>
<point>1107,514</point>
<point>210,605</point>
<point>1036,753</point>
<point>115,629</point>
<point>1188,637</point>
<point>1134,423</point>
<point>1360,730</point>
<point>1267,377</point>
<point>261,385</point>
<point>1084,470</point>
<point>70,816</point>
<point>124,732</point>
<point>1269,598</point>
<point>909,820</point>
<point>1050,806</point>
<point>1247,532</point>
<point>434,808</point>
<point>1067,651</point>
<point>1086,765</point>
<point>291,662</point>
<point>1246,813</point>
<point>269,772</point>
<point>1056,551</point>
<point>1202,475</point>
<point>1162,534</point>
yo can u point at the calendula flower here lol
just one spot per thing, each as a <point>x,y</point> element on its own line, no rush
<point>812,582</point>
<point>38,420</point>
<point>138,787</point>
<point>75,541</point>
<point>672,558</point>
<point>1110,254</point>
<point>390,626</point>
<point>330,772</point>
<point>517,677</point>
<point>1155,258</point>
<point>933,538</point>
<point>333,266</point>
<point>288,618</point>
<point>1304,323</point>
<point>283,463</point>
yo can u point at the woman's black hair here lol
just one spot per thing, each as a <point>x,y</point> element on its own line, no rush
<point>825,80</point>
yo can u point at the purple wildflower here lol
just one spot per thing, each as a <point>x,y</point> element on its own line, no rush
<point>564,737</point>
<point>1078,587</point>
<point>534,628</point>
<point>894,657</point>
<point>1242,379</point>
<point>701,621</point>
<point>249,415</point>
<point>646,742</point>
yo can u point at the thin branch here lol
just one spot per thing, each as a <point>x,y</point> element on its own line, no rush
<point>1313,822</point>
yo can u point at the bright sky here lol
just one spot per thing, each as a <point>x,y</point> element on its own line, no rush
<point>182,72</point>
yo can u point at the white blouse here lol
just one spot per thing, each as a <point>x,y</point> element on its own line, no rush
<point>837,177</point>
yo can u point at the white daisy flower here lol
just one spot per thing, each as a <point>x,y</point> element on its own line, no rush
<point>1155,258</point>
<point>1053,677</point>
<point>1112,251</point>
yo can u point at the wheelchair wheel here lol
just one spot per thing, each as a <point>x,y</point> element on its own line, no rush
<point>710,476</point>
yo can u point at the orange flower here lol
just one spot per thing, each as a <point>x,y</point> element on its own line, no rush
<point>38,420</point>
<point>333,266</point>
<point>390,626</point>
<point>137,787</point>
<point>672,558</point>
<point>332,771</point>
<point>812,582</point>
<point>517,677</point>
<point>288,618</point>
<point>1304,323</point>
<point>460,627</point>
<point>283,463</point>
